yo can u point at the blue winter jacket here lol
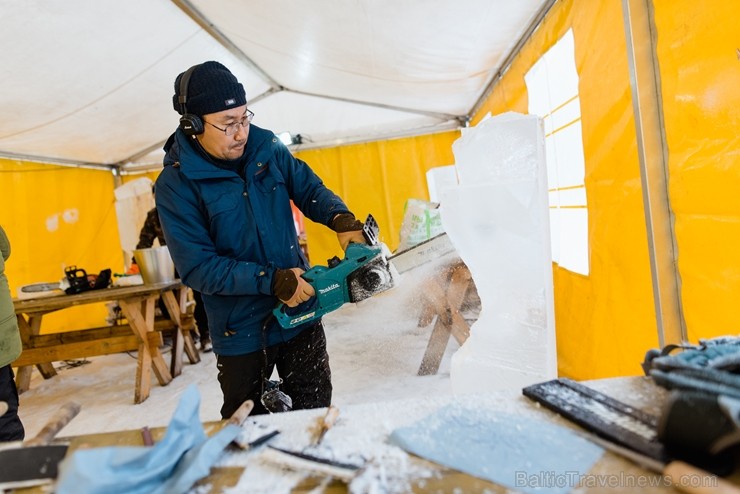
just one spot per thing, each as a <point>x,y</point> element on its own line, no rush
<point>228,235</point>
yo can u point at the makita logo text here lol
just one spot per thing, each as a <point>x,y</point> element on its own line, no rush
<point>302,318</point>
<point>329,288</point>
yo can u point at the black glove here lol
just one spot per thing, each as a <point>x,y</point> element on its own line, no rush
<point>284,284</point>
<point>345,222</point>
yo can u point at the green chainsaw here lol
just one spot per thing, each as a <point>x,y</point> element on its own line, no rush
<point>364,272</point>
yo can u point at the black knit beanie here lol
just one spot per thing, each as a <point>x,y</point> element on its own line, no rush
<point>212,88</point>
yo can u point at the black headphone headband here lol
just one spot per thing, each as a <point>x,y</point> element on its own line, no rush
<point>190,124</point>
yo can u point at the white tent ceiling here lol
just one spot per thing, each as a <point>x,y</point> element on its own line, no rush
<point>90,82</point>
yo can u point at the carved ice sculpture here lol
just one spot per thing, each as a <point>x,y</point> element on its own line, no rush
<point>497,218</point>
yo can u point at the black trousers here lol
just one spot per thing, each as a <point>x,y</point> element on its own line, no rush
<point>302,364</point>
<point>11,428</point>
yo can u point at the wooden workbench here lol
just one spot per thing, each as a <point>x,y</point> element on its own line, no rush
<point>363,430</point>
<point>140,333</point>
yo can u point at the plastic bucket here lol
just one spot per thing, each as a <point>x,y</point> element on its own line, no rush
<point>155,265</point>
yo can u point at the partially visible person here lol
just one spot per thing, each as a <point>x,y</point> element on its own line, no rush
<point>151,231</point>
<point>11,427</point>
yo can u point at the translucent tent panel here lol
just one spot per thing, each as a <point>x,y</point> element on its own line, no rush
<point>91,83</point>
<point>434,56</point>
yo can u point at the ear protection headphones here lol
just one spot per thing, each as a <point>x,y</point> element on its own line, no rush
<point>191,124</point>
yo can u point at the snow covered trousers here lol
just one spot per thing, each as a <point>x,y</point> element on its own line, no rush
<point>302,363</point>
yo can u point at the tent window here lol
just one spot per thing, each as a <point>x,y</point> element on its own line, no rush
<point>552,85</point>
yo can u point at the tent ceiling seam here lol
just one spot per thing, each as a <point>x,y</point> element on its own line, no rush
<point>57,161</point>
<point>382,137</point>
<point>440,116</point>
<point>499,72</point>
<point>197,16</point>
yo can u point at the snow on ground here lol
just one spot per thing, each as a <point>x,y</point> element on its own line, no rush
<point>375,348</point>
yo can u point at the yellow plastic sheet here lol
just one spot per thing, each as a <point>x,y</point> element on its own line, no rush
<point>606,321</point>
<point>57,217</point>
<point>699,54</point>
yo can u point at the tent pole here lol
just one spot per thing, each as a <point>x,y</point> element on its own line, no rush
<point>653,155</point>
<point>195,14</point>
<point>496,76</point>
<point>45,160</point>
<point>440,116</point>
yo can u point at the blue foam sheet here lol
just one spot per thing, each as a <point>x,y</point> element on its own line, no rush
<point>526,454</point>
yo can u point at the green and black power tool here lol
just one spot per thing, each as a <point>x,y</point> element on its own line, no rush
<point>365,271</point>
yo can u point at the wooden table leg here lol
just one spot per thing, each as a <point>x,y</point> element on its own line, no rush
<point>28,328</point>
<point>187,329</point>
<point>182,340</point>
<point>150,357</point>
<point>23,378</point>
<point>447,301</point>
<point>435,349</point>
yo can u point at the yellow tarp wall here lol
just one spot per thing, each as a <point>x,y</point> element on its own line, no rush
<point>57,217</point>
<point>699,54</point>
<point>605,322</point>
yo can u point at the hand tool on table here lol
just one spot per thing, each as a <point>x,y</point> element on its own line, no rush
<point>332,413</point>
<point>241,413</point>
<point>313,462</point>
<point>309,463</point>
<point>238,418</point>
<point>364,272</point>
<point>35,461</point>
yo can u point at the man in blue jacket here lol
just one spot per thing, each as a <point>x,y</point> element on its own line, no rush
<point>223,198</point>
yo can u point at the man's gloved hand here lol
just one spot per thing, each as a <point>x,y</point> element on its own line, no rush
<point>290,288</point>
<point>348,228</point>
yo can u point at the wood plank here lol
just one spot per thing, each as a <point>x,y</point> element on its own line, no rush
<point>90,334</point>
<point>82,349</point>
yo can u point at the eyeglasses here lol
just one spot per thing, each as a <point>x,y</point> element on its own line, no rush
<point>233,128</point>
